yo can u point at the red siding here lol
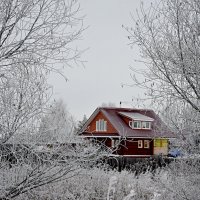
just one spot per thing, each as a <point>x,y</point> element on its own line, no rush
<point>130,147</point>
<point>92,125</point>
<point>105,141</point>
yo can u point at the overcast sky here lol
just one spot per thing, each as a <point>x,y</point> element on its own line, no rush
<point>108,60</point>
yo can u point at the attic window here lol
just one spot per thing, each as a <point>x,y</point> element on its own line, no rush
<point>101,125</point>
<point>136,124</point>
<point>140,125</point>
<point>138,120</point>
<point>146,125</point>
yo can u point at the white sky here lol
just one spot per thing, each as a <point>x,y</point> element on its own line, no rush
<point>108,60</point>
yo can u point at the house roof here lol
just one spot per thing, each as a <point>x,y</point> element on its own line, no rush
<point>136,116</point>
<point>115,116</point>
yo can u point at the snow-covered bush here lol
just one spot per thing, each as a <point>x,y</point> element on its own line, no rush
<point>93,183</point>
<point>97,183</point>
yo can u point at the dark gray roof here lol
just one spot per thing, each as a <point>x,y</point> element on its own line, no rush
<point>136,116</point>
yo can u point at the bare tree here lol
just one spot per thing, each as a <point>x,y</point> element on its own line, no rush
<point>168,35</point>
<point>36,37</point>
<point>22,99</point>
<point>38,32</point>
<point>169,39</point>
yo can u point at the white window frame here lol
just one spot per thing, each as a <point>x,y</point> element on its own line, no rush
<point>140,144</point>
<point>145,125</point>
<point>140,124</point>
<point>131,124</point>
<point>101,125</point>
<point>149,125</point>
<point>146,144</point>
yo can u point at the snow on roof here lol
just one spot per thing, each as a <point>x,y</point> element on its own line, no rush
<point>136,116</point>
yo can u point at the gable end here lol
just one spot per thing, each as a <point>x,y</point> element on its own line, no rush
<point>92,125</point>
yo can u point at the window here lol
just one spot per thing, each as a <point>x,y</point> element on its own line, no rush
<point>146,144</point>
<point>136,124</point>
<point>140,125</point>
<point>101,125</point>
<point>146,125</point>
<point>140,144</point>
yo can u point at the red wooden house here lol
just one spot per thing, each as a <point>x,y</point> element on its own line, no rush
<point>129,132</point>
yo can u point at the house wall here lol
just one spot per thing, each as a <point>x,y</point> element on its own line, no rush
<point>105,141</point>
<point>92,125</point>
<point>128,147</point>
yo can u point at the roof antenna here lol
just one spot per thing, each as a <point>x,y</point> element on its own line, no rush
<point>120,104</point>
